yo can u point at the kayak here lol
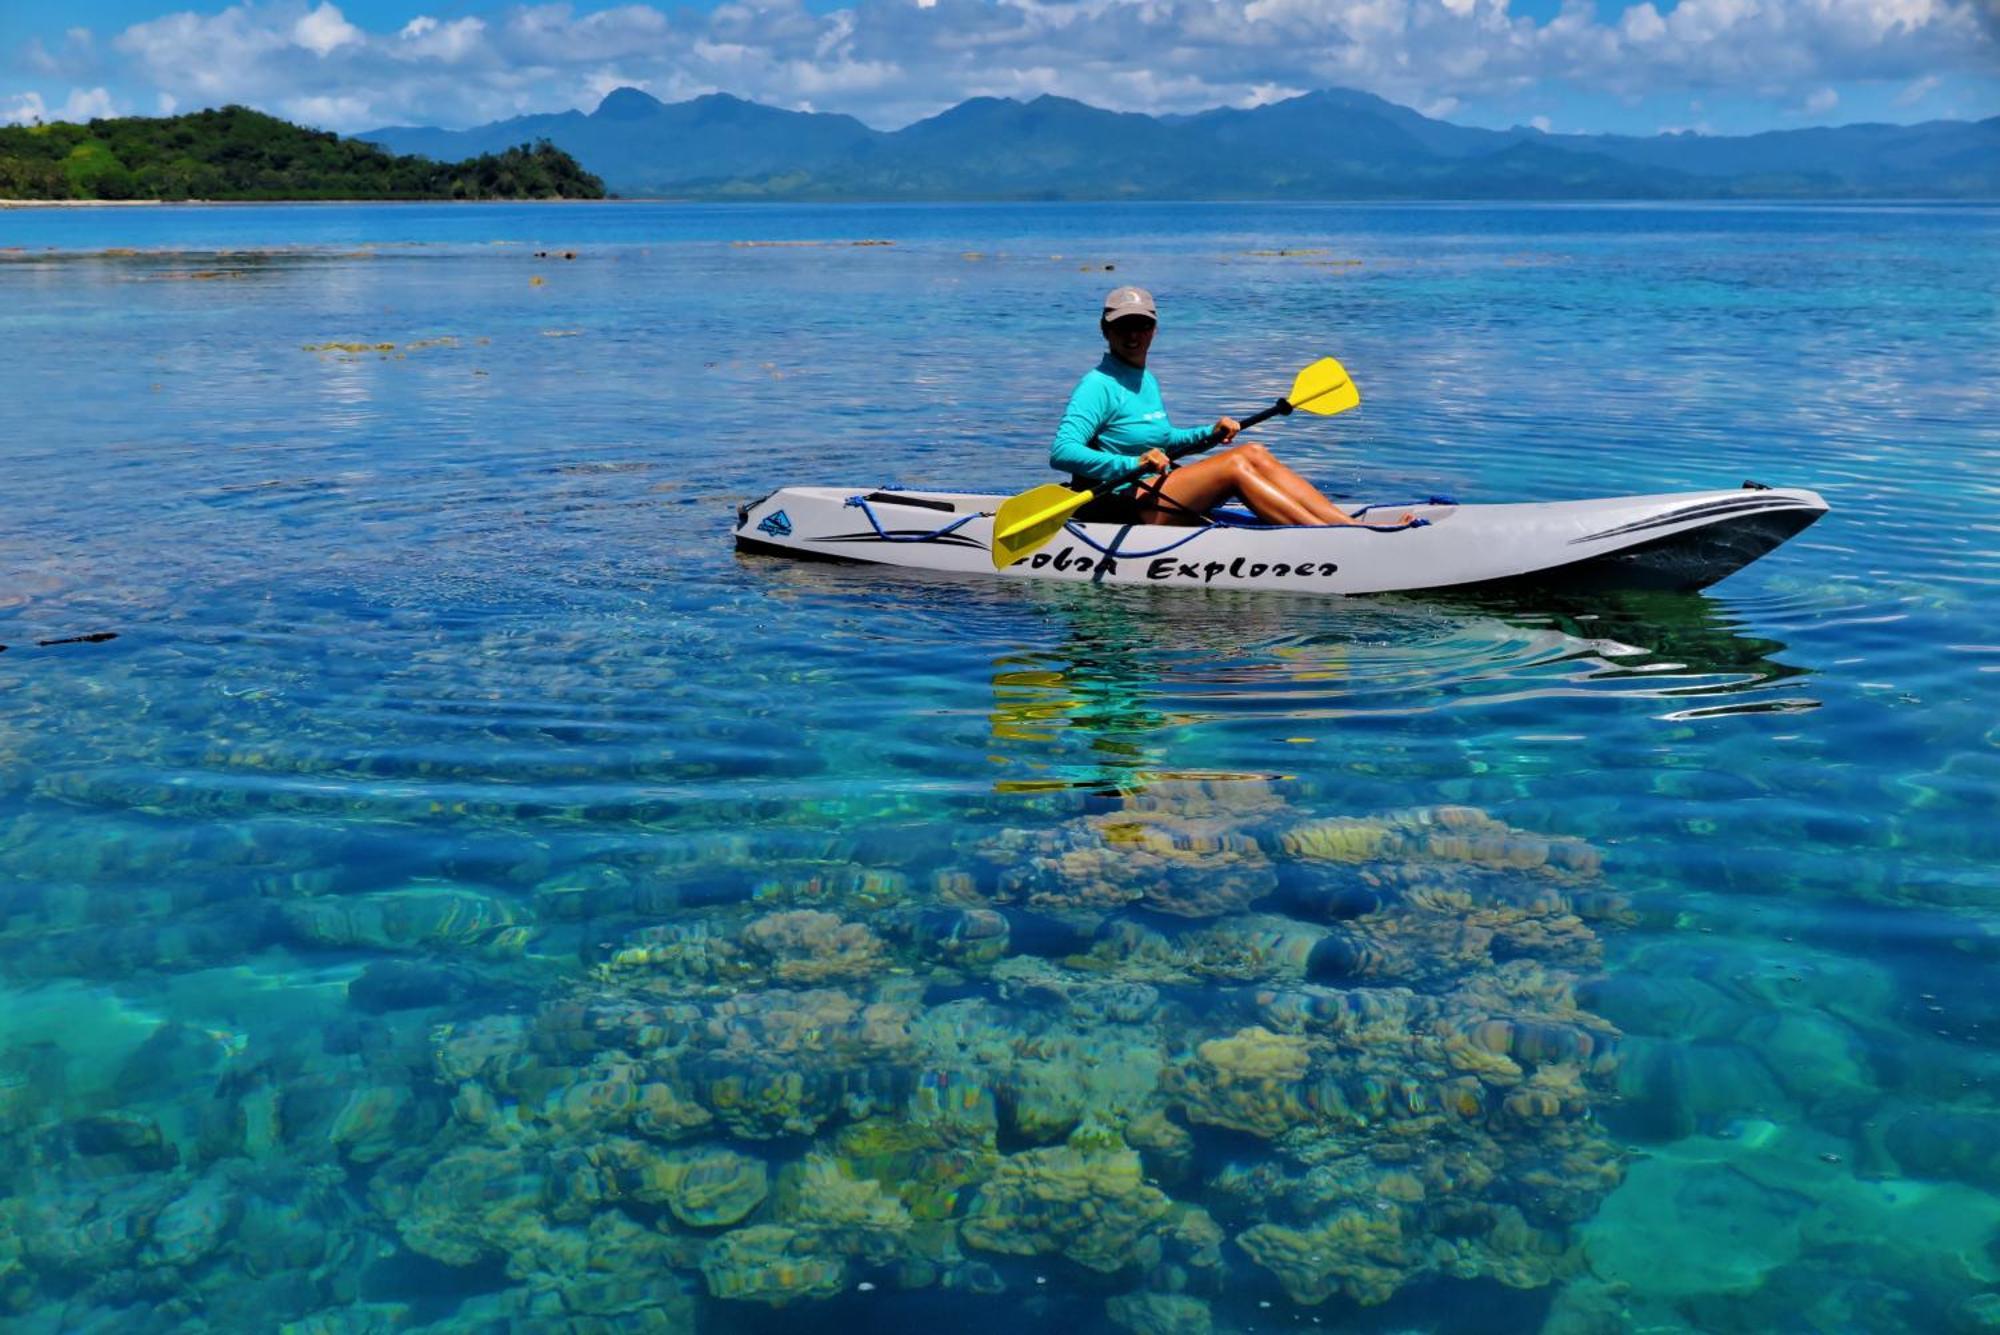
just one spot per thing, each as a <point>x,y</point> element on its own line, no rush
<point>1683,540</point>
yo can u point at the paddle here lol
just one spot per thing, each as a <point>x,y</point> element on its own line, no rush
<point>1025,522</point>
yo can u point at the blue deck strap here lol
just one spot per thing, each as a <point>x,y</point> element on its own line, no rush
<point>1228,519</point>
<point>862,503</point>
<point>1095,545</point>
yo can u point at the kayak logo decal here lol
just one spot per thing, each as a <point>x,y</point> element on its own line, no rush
<point>1165,568</point>
<point>778,524</point>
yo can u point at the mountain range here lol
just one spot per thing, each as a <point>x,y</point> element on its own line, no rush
<point>1332,144</point>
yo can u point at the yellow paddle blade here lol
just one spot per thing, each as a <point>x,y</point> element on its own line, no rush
<point>1025,522</point>
<point>1324,388</point>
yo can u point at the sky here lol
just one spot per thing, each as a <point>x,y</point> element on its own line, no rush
<point>1565,66</point>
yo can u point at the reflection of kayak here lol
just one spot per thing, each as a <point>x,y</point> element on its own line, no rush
<point>1686,540</point>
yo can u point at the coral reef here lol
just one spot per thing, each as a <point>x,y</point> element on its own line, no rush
<point>1172,1042</point>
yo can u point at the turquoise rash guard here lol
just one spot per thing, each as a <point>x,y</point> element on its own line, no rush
<point>1114,416</point>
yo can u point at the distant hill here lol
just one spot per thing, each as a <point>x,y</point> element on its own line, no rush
<point>1333,144</point>
<point>236,153</point>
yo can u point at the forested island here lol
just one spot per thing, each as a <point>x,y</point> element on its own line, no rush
<point>235,153</point>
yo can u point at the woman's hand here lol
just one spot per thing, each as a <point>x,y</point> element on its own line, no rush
<point>1155,461</point>
<point>1226,429</point>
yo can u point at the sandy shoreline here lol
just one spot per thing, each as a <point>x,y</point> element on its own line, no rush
<point>76,203</point>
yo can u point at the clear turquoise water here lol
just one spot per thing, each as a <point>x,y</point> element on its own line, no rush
<point>466,892</point>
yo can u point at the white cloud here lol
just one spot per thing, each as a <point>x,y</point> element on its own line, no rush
<point>1541,123</point>
<point>82,104</point>
<point>892,61</point>
<point>324,31</point>
<point>1821,101</point>
<point>22,109</point>
<point>87,104</point>
<point>76,57</point>
<point>424,38</point>
<point>1918,90</point>
<point>321,109</point>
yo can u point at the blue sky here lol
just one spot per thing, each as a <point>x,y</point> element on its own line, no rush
<point>1714,66</point>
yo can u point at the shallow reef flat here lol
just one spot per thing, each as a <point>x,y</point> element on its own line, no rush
<point>1185,1050</point>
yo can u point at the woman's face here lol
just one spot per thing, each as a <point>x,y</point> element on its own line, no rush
<point>1129,338</point>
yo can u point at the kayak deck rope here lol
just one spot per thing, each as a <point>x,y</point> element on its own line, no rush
<point>861,502</point>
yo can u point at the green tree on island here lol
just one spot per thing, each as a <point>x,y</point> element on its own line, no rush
<point>238,154</point>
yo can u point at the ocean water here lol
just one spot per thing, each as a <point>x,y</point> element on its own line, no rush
<point>444,887</point>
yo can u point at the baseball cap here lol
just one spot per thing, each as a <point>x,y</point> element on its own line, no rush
<point>1124,301</point>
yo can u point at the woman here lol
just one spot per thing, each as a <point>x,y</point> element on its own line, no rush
<point>1115,418</point>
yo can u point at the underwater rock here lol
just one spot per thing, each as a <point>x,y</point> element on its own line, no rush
<point>1150,1313</point>
<point>1182,859</point>
<point>768,1263</point>
<point>1363,1254</point>
<point>1976,1314</point>
<point>1663,1005</point>
<point>1166,1147</point>
<point>1500,1050</point>
<point>851,1215</point>
<point>632,1273</point>
<point>820,1022</point>
<point>93,1228</point>
<point>1947,1144</point>
<point>374,1121</point>
<point>135,1140</point>
<point>961,937</point>
<point>609,1095</point>
<point>394,985</point>
<point>193,1225</point>
<point>1362,1015</point>
<point>1408,947</point>
<point>1046,1070</point>
<point>1516,1252</point>
<point>1441,834</point>
<point>351,1319</point>
<point>1339,840</point>
<point>1818,1059</point>
<point>782,1062</point>
<point>932,1157</point>
<point>1243,948</point>
<point>806,946</point>
<point>760,1099</point>
<point>1093,1206</point>
<point>579,893</point>
<point>695,951</point>
<point>418,918</point>
<point>1669,1090</point>
<point>1248,1082</point>
<point>1679,1229</point>
<point>474,1202</point>
<point>290,1221</point>
<point>705,1187</point>
<point>476,1048</point>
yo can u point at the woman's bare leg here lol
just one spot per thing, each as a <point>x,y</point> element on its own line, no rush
<point>1301,491</point>
<point>1274,493</point>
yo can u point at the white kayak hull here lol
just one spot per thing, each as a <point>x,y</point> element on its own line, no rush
<point>1682,540</point>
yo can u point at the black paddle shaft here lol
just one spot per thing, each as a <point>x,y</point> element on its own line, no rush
<point>1281,408</point>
